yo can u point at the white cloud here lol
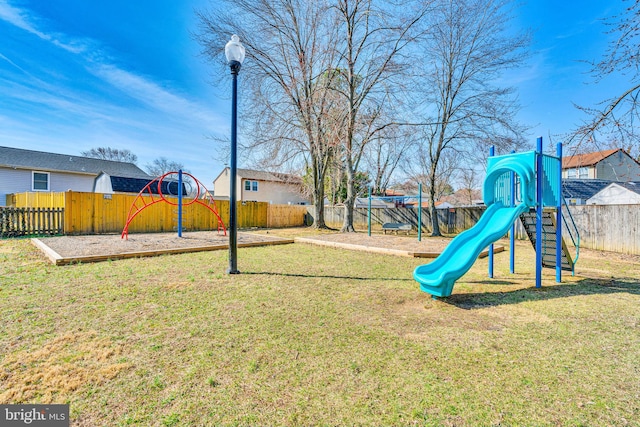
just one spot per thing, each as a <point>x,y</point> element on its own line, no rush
<point>75,118</point>
<point>21,19</point>
<point>143,89</point>
<point>18,17</point>
<point>155,96</point>
<point>12,63</point>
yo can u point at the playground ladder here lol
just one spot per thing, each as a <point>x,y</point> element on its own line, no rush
<point>549,238</point>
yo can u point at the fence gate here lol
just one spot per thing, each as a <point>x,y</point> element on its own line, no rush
<point>16,222</point>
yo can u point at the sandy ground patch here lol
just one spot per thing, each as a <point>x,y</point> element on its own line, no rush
<point>388,241</point>
<point>112,244</point>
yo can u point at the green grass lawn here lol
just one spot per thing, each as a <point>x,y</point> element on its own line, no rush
<point>310,335</point>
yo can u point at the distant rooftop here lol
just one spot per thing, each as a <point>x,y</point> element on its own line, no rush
<point>583,188</point>
<point>265,176</point>
<point>18,158</point>
<point>134,185</point>
<point>631,186</point>
<point>588,159</point>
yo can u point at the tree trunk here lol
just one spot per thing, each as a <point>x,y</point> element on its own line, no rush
<point>435,226</point>
<point>349,203</point>
<point>318,222</point>
<point>318,199</point>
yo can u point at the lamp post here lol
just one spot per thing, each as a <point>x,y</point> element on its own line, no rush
<point>234,51</point>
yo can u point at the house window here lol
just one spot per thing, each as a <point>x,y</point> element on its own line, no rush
<point>40,181</point>
<point>251,185</point>
<point>572,173</point>
<point>583,173</point>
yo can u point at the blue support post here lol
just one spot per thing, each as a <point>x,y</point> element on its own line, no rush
<point>512,236</point>
<point>180,203</point>
<point>369,213</point>
<point>492,152</point>
<point>539,182</point>
<point>559,216</point>
<point>420,212</point>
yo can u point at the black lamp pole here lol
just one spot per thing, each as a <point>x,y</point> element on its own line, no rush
<point>234,51</point>
<point>233,226</point>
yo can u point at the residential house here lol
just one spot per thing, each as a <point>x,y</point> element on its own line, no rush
<point>109,184</point>
<point>612,165</point>
<point>28,170</point>
<point>462,197</point>
<point>260,186</point>
<point>617,193</point>
<point>376,203</point>
<point>578,191</point>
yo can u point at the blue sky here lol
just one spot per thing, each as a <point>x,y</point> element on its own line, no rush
<point>77,74</point>
<point>565,35</point>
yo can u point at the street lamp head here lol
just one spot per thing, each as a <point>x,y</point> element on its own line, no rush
<point>234,51</point>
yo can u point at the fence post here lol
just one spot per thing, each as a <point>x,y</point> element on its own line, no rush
<point>369,214</point>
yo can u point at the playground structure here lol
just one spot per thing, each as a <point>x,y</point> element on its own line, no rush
<point>527,186</point>
<point>161,187</point>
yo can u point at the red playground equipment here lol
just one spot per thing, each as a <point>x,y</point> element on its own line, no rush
<point>161,186</point>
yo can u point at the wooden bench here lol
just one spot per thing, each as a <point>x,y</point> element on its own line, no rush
<point>396,226</point>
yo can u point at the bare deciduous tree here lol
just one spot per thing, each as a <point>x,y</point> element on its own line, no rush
<point>108,153</point>
<point>385,154</point>
<point>617,117</point>
<point>469,183</point>
<point>287,74</point>
<point>162,165</point>
<point>467,48</point>
<point>372,36</point>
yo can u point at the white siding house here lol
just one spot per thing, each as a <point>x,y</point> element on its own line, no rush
<point>27,170</point>
<point>617,193</point>
<point>259,186</point>
<point>612,165</point>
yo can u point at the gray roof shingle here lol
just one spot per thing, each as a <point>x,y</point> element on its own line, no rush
<point>268,176</point>
<point>135,185</point>
<point>582,188</point>
<point>39,160</point>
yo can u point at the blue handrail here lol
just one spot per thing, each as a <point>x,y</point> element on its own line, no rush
<point>574,239</point>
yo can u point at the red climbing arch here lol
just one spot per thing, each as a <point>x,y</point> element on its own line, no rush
<point>153,190</point>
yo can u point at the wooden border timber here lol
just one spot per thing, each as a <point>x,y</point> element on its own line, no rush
<point>384,251</point>
<point>57,259</point>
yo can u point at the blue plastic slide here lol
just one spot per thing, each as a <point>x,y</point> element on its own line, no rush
<point>439,276</point>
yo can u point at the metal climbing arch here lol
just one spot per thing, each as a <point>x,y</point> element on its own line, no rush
<point>155,191</point>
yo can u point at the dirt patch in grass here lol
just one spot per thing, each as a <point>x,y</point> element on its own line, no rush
<point>53,372</point>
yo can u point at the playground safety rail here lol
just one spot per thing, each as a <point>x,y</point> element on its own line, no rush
<point>571,229</point>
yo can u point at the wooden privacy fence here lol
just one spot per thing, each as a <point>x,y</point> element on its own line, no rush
<point>280,216</point>
<point>15,222</point>
<point>97,213</point>
<point>36,199</point>
<point>451,221</point>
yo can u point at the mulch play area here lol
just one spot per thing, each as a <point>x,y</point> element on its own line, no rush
<point>74,249</point>
<point>428,247</point>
